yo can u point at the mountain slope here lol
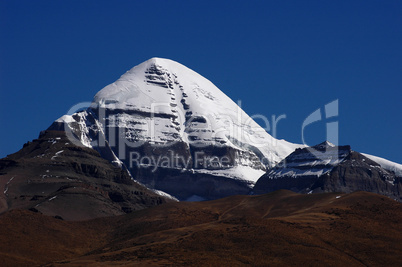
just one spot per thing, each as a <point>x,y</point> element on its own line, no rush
<point>276,229</point>
<point>52,176</point>
<point>329,168</point>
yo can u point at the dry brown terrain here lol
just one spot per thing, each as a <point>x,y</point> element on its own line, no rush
<point>280,228</point>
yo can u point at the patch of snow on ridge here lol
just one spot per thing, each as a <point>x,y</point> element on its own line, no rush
<point>238,172</point>
<point>387,164</point>
<point>164,194</point>
<point>9,181</point>
<point>7,184</point>
<point>298,173</point>
<point>57,154</point>
<point>78,124</point>
<point>66,119</point>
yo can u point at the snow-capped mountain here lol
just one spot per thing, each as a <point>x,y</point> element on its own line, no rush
<point>175,131</point>
<point>329,168</point>
<point>161,115</point>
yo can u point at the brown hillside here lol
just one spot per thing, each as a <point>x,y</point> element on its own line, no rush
<point>280,228</point>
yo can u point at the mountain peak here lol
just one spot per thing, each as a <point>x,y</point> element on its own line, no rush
<point>197,110</point>
<point>160,61</point>
<point>324,145</point>
<point>157,61</point>
<point>162,109</point>
<point>162,64</point>
<point>329,168</point>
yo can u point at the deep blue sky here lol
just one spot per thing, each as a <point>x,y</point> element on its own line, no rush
<point>277,57</point>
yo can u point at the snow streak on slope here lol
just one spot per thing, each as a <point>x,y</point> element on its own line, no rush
<point>387,164</point>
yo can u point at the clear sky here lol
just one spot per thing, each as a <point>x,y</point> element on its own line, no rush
<point>277,57</point>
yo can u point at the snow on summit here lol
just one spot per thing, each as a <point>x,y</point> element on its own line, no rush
<point>161,102</point>
<point>202,112</point>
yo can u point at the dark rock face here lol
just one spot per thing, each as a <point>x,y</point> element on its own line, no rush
<point>337,169</point>
<point>359,173</point>
<point>173,169</point>
<point>184,184</point>
<point>52,176</point>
